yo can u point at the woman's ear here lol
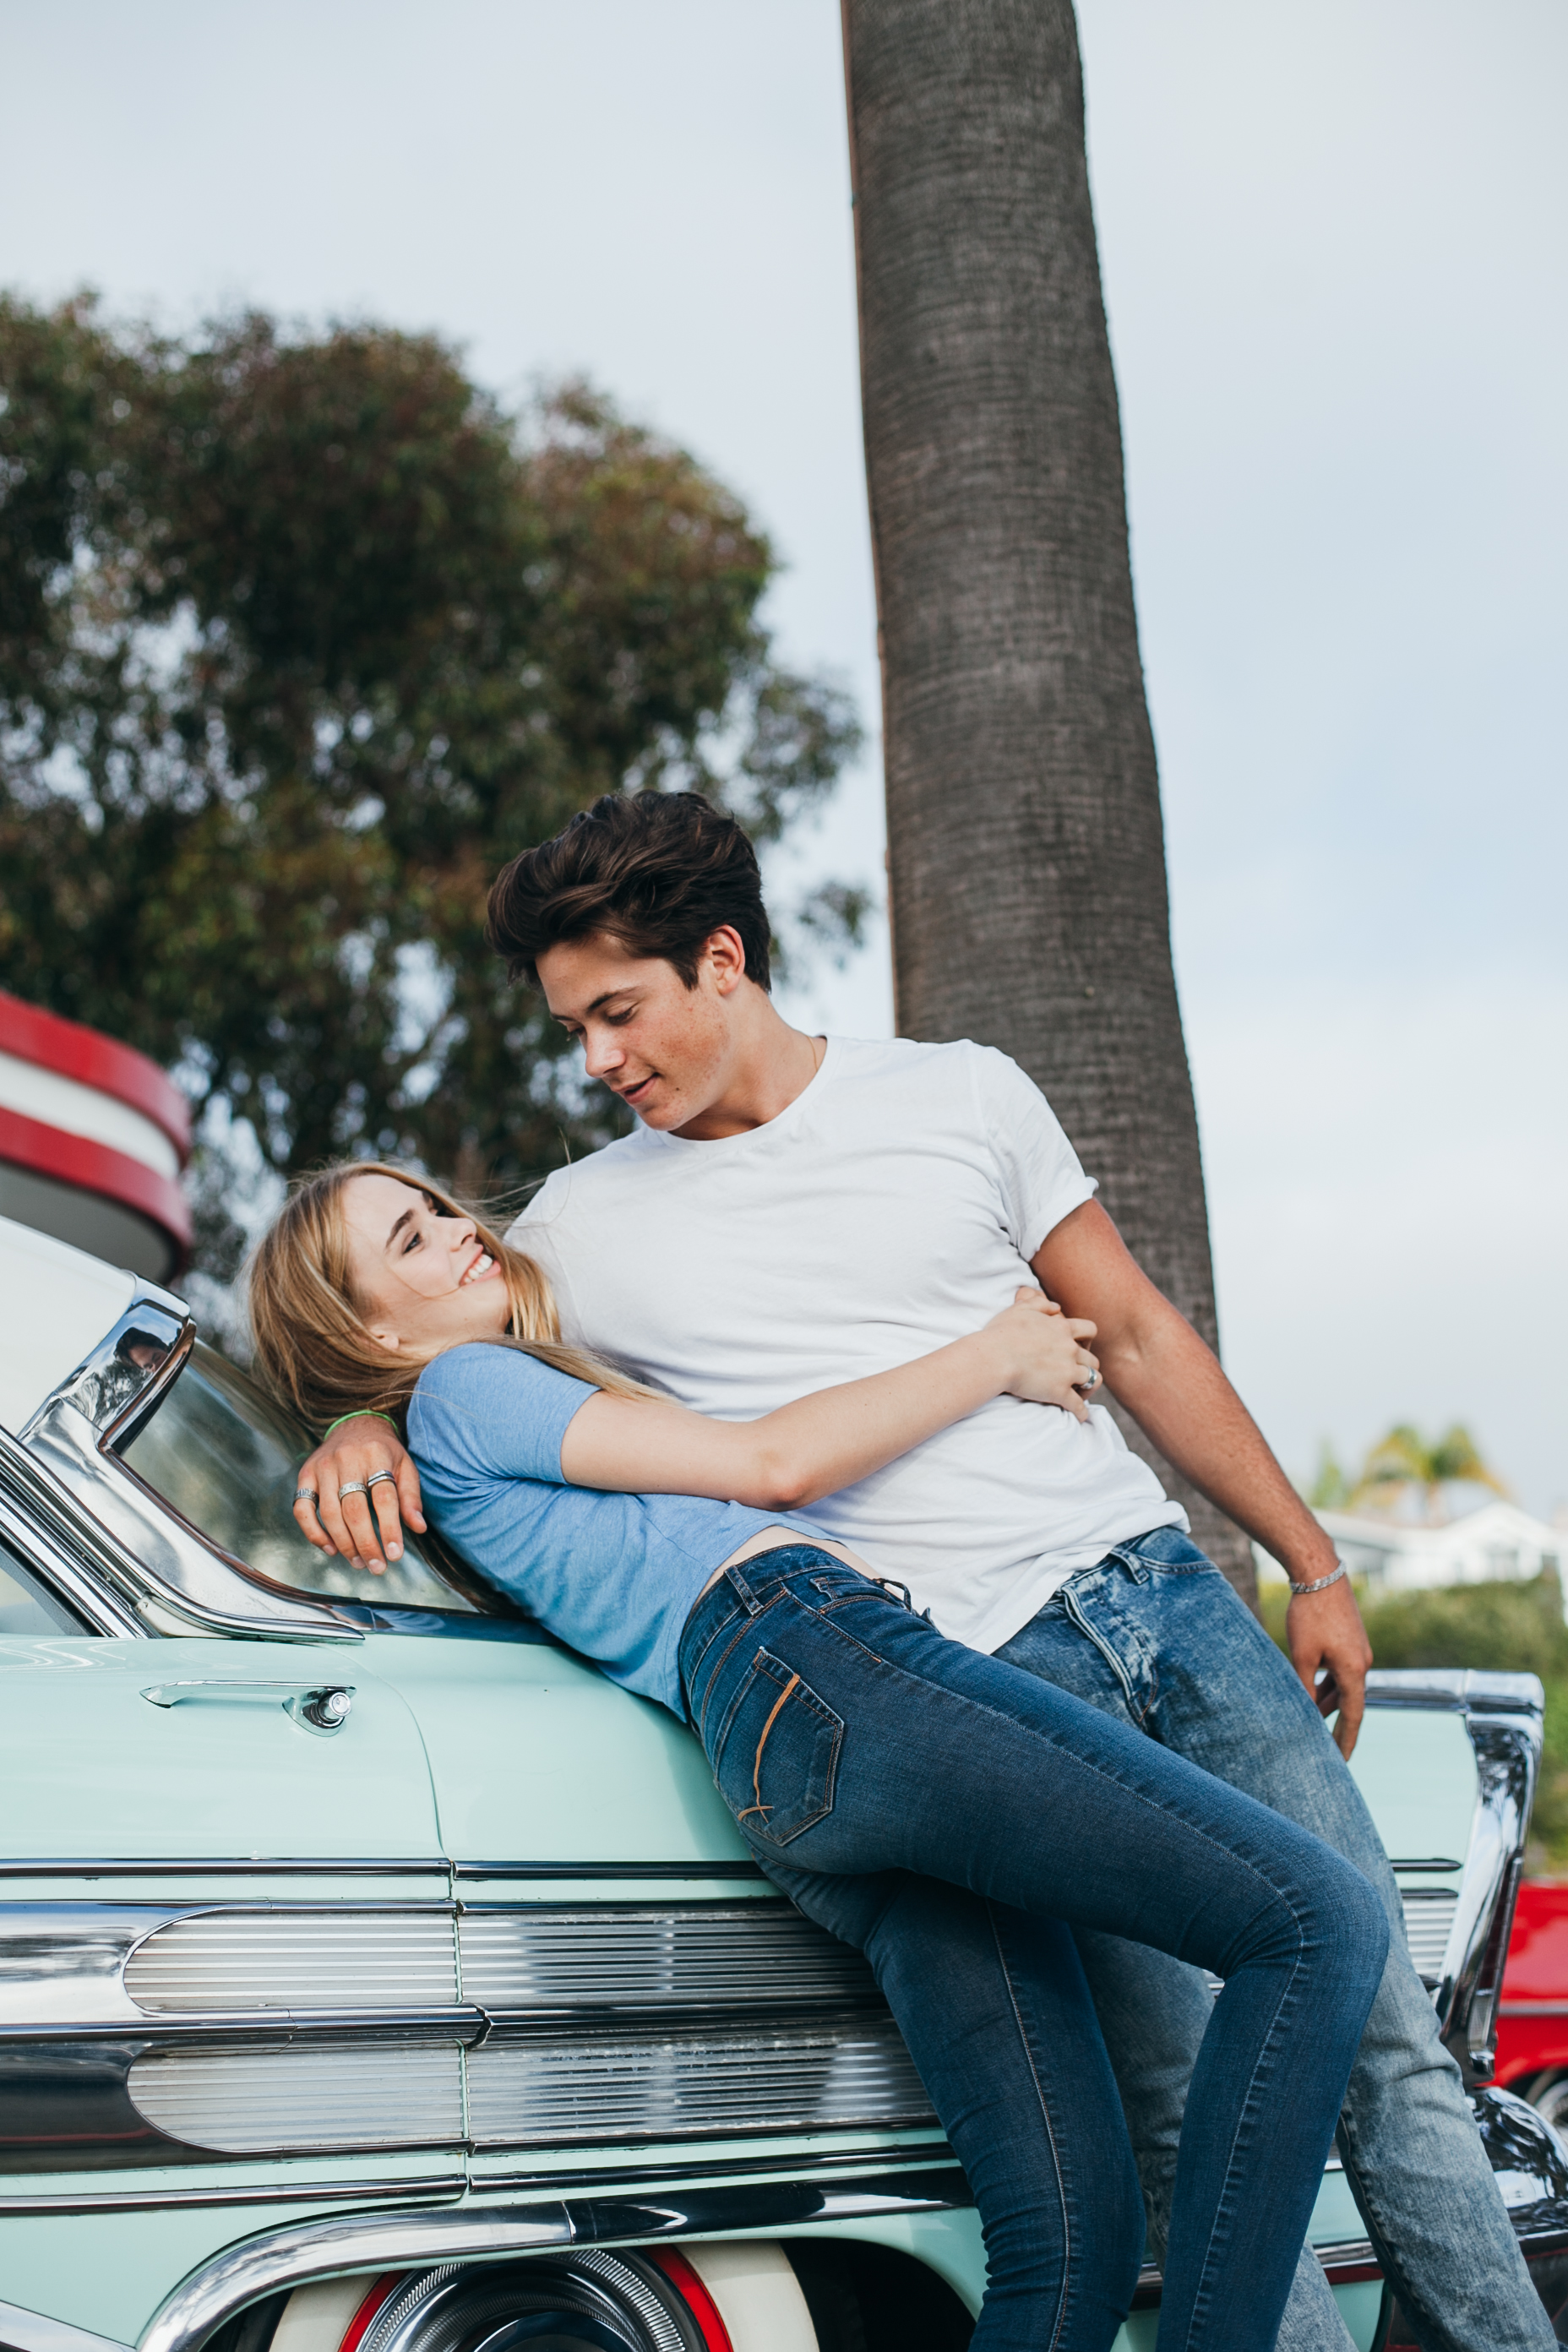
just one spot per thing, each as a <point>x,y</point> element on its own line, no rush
<point>386,1337</point>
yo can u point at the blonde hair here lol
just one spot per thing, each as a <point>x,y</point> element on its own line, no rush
<point>313,1347</point>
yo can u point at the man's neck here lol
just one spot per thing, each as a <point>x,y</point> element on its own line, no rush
<point>769,1065</point>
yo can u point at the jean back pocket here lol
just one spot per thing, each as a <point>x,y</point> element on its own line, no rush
<point>776,1755</point>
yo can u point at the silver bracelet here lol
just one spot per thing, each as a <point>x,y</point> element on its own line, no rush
<point>1321,1585</point>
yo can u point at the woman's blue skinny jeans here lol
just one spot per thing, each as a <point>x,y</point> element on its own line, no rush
<point>848,1736</point>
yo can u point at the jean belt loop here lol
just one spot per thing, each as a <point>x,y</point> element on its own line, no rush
<point>742,1592</point>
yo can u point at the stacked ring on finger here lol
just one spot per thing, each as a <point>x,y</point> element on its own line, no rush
<point>355,1487</point>
<point>381,1479</point>
<point>307,1495</point>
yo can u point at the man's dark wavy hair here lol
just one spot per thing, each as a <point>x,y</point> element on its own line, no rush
<point>661,872</point>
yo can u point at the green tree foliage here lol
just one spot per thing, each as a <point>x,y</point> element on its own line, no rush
<point>1513,1628</point>
<point>1405,1462</point>
<point>300,638</point>
<point>1329,1489</point>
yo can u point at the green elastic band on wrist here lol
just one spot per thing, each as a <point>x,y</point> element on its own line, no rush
<point>366,1413</point>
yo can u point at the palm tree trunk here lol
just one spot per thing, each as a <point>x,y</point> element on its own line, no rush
<point>1026,857</point>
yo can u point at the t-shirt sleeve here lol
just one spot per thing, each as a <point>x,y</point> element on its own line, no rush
<point>535,1232</point>
<point>1038,1170</point>
<point>493,1410</point>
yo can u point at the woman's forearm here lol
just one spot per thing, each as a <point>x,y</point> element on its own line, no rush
<point>820,1443</point>
<point>787,1458</point>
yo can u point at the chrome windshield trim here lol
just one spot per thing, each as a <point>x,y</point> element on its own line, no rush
<point>110,1387</point>
<point>167,1567</point>
<point>31,1521</point>
<point>477,2234</point>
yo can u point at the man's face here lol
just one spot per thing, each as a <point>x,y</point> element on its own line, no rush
<point>663,1048</point>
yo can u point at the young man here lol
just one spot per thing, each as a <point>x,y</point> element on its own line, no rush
<point>791,1211</point>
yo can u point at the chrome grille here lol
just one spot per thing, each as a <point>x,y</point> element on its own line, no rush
<point>310,2096</point>
<point>250,1959</point>
<point>754,1955</point>
<point>1428,1916</point>
<point>550,2094</point>
<point>615,2022</point>
<point>316,2095</point>
<point>745,1956</point>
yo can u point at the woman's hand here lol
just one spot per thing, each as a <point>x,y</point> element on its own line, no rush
<point>1043,1351</point>
<point>354,1454</point>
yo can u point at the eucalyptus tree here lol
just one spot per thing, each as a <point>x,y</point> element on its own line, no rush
<point>1027,860</point>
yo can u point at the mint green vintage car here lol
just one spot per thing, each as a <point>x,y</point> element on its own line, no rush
<point>374,1977</point>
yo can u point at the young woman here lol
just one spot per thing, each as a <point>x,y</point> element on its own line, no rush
<point>860,1751</point>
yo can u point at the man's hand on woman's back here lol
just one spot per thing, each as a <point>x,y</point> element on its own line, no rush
<point>356,1452</point>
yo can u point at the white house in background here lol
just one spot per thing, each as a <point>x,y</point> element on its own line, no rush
<point>1499,1541</point>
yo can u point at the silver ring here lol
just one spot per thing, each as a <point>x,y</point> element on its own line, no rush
<point>307,1495</point>
<point>379,1477</point>
<point>1092,1382</point>
<point>355,1487</point>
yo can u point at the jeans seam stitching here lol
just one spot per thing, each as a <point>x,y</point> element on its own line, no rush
<point>1077,1617</point>
<point>1045,2117</point>
<point>1203,2289</point>
<point>703,1717</point>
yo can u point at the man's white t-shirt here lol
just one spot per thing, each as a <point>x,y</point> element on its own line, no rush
<point>893,1206</point>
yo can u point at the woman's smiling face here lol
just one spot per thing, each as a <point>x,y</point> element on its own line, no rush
<point>424,1279</point>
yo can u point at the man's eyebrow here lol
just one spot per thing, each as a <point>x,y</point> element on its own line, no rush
<point>398,1228</point>
<point>605,996</point>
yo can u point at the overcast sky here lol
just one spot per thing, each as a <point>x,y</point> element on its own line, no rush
<point>1333,245</point>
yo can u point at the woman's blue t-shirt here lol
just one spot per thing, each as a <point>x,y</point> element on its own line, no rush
<point>614,1575</point>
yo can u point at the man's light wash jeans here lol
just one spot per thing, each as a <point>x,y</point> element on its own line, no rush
<point>1154,1635</point>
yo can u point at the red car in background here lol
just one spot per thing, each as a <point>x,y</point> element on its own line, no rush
<point>1532,2028</point>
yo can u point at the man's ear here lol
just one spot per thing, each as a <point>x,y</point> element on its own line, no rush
<point>726,958</point>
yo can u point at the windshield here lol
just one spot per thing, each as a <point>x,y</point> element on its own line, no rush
<point>226,1457</point>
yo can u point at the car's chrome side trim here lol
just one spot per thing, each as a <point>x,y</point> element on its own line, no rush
<point>434,2186</point>
<point>356,1865</point>
<point>145,1865</point>
<point>1459,1688</point>
<point>633,1870</point>
<point>476,2234</point>
<point>30,2331</point>
<point>457,2022</point>
<point>447,2186</point>
<point>1345,2263</point>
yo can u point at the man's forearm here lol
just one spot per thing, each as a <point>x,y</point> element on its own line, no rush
<point>1157,1367</point>
<point>1173,1387</point>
